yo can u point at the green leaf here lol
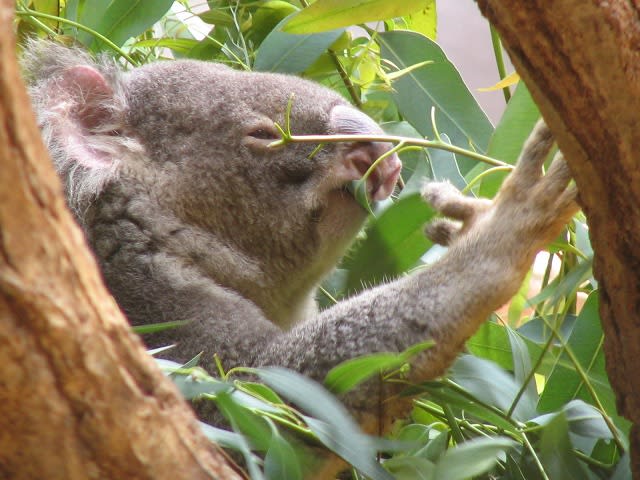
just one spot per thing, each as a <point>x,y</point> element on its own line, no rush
<point>157,327</point>
<point>332,423</point>
<point>522,367</point>
<point>118,20</point>
<point>445,165</point>
<point>490,384</point>
<point>395,240</point>
<point>491,342</point>
<point>251,425</point>
<point>583,419</point>
<point>350,373</point>
<point>556,451</point>
<point>237,442</point>
<point>329,14</point>
<point>411,468</point>
<point>436,85</point>
<point>472,458</point>
<point>586,341</point>
<point>436,447</point>
<point>192,386</point>
<point>286,53</point>
<point>262,391</point>
<point>448,397</point>
<point>266,18</point>
<point>424,21</point>
<point>623,470</point>
<point>179,45</point>
<point>281,461</point>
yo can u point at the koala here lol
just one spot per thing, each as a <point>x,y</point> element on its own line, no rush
<point>192,216</point>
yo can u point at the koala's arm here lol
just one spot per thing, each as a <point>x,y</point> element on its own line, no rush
<point>492,246</point>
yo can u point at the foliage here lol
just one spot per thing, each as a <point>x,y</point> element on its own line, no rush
<point>531,398</point>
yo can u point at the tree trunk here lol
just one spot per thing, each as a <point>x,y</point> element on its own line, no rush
<point>80,397</point>
<point>581,61</point>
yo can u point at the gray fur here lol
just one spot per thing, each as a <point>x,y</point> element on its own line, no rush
<point>194,219</point>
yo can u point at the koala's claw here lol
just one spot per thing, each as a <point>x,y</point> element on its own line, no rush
<point>529,206</point>
<point>443,231</point>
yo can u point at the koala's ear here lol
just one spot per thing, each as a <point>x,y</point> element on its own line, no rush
<point>83,114</point>
<point>88,90</point>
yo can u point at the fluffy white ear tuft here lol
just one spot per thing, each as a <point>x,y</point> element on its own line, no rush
<point>81,114</point>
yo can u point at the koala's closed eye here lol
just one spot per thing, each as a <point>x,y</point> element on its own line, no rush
<point>262,133</point>
<point>260,136</point>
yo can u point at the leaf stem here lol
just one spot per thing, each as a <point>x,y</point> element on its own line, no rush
<point>497,51</point>
<point>440,145</point>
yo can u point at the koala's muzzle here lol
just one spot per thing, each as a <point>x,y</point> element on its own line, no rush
<point>358,157</point>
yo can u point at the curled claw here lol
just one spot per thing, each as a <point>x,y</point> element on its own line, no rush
<point>450,202</point>
<point>443,231</point>
<point>530,206</point>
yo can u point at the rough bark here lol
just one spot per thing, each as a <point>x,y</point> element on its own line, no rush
<point>581,61</point>
<point>80,398</point>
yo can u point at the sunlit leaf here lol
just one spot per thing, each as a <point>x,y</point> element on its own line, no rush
<point>350,373</point>
<point>511,79</point>
<point>424,21</point>
<point>329,14</point>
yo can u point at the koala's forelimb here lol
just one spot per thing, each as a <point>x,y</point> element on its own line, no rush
<point>491,249</point>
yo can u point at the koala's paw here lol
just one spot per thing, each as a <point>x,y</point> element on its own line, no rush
<point>537,205</point>
<point>530,210</point>
<point>450,202</point>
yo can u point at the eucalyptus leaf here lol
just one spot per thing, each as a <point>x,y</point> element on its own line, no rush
<point>437,85</point>
<point>350,373</point>
<point>281,461</point>
<point>556,451</point>
<point>445,166</point>
<point>395,239</point>
<point>522,367</point>
<point>286,53</point>
<point>411,468</point>
<point>118,20</point>
<point>586,342</point>
<point>491,342</point>
<point>237,442</point>
<point>583,419</point>
<point>331,422</point>
<point>251,425</point>
<point>490,384</point>
<point>472,458</point>
<point>325,15</point>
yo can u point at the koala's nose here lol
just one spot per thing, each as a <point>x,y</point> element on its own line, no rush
<point>360,156</point>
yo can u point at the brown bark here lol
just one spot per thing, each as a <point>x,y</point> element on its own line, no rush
<point>581,61</point>
<point>80,398</point>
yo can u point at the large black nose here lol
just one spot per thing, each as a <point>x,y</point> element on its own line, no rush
<point>361,155</point>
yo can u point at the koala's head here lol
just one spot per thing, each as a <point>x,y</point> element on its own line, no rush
<point>185,145</point>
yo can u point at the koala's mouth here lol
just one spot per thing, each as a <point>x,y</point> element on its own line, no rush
<point>359,177</point>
